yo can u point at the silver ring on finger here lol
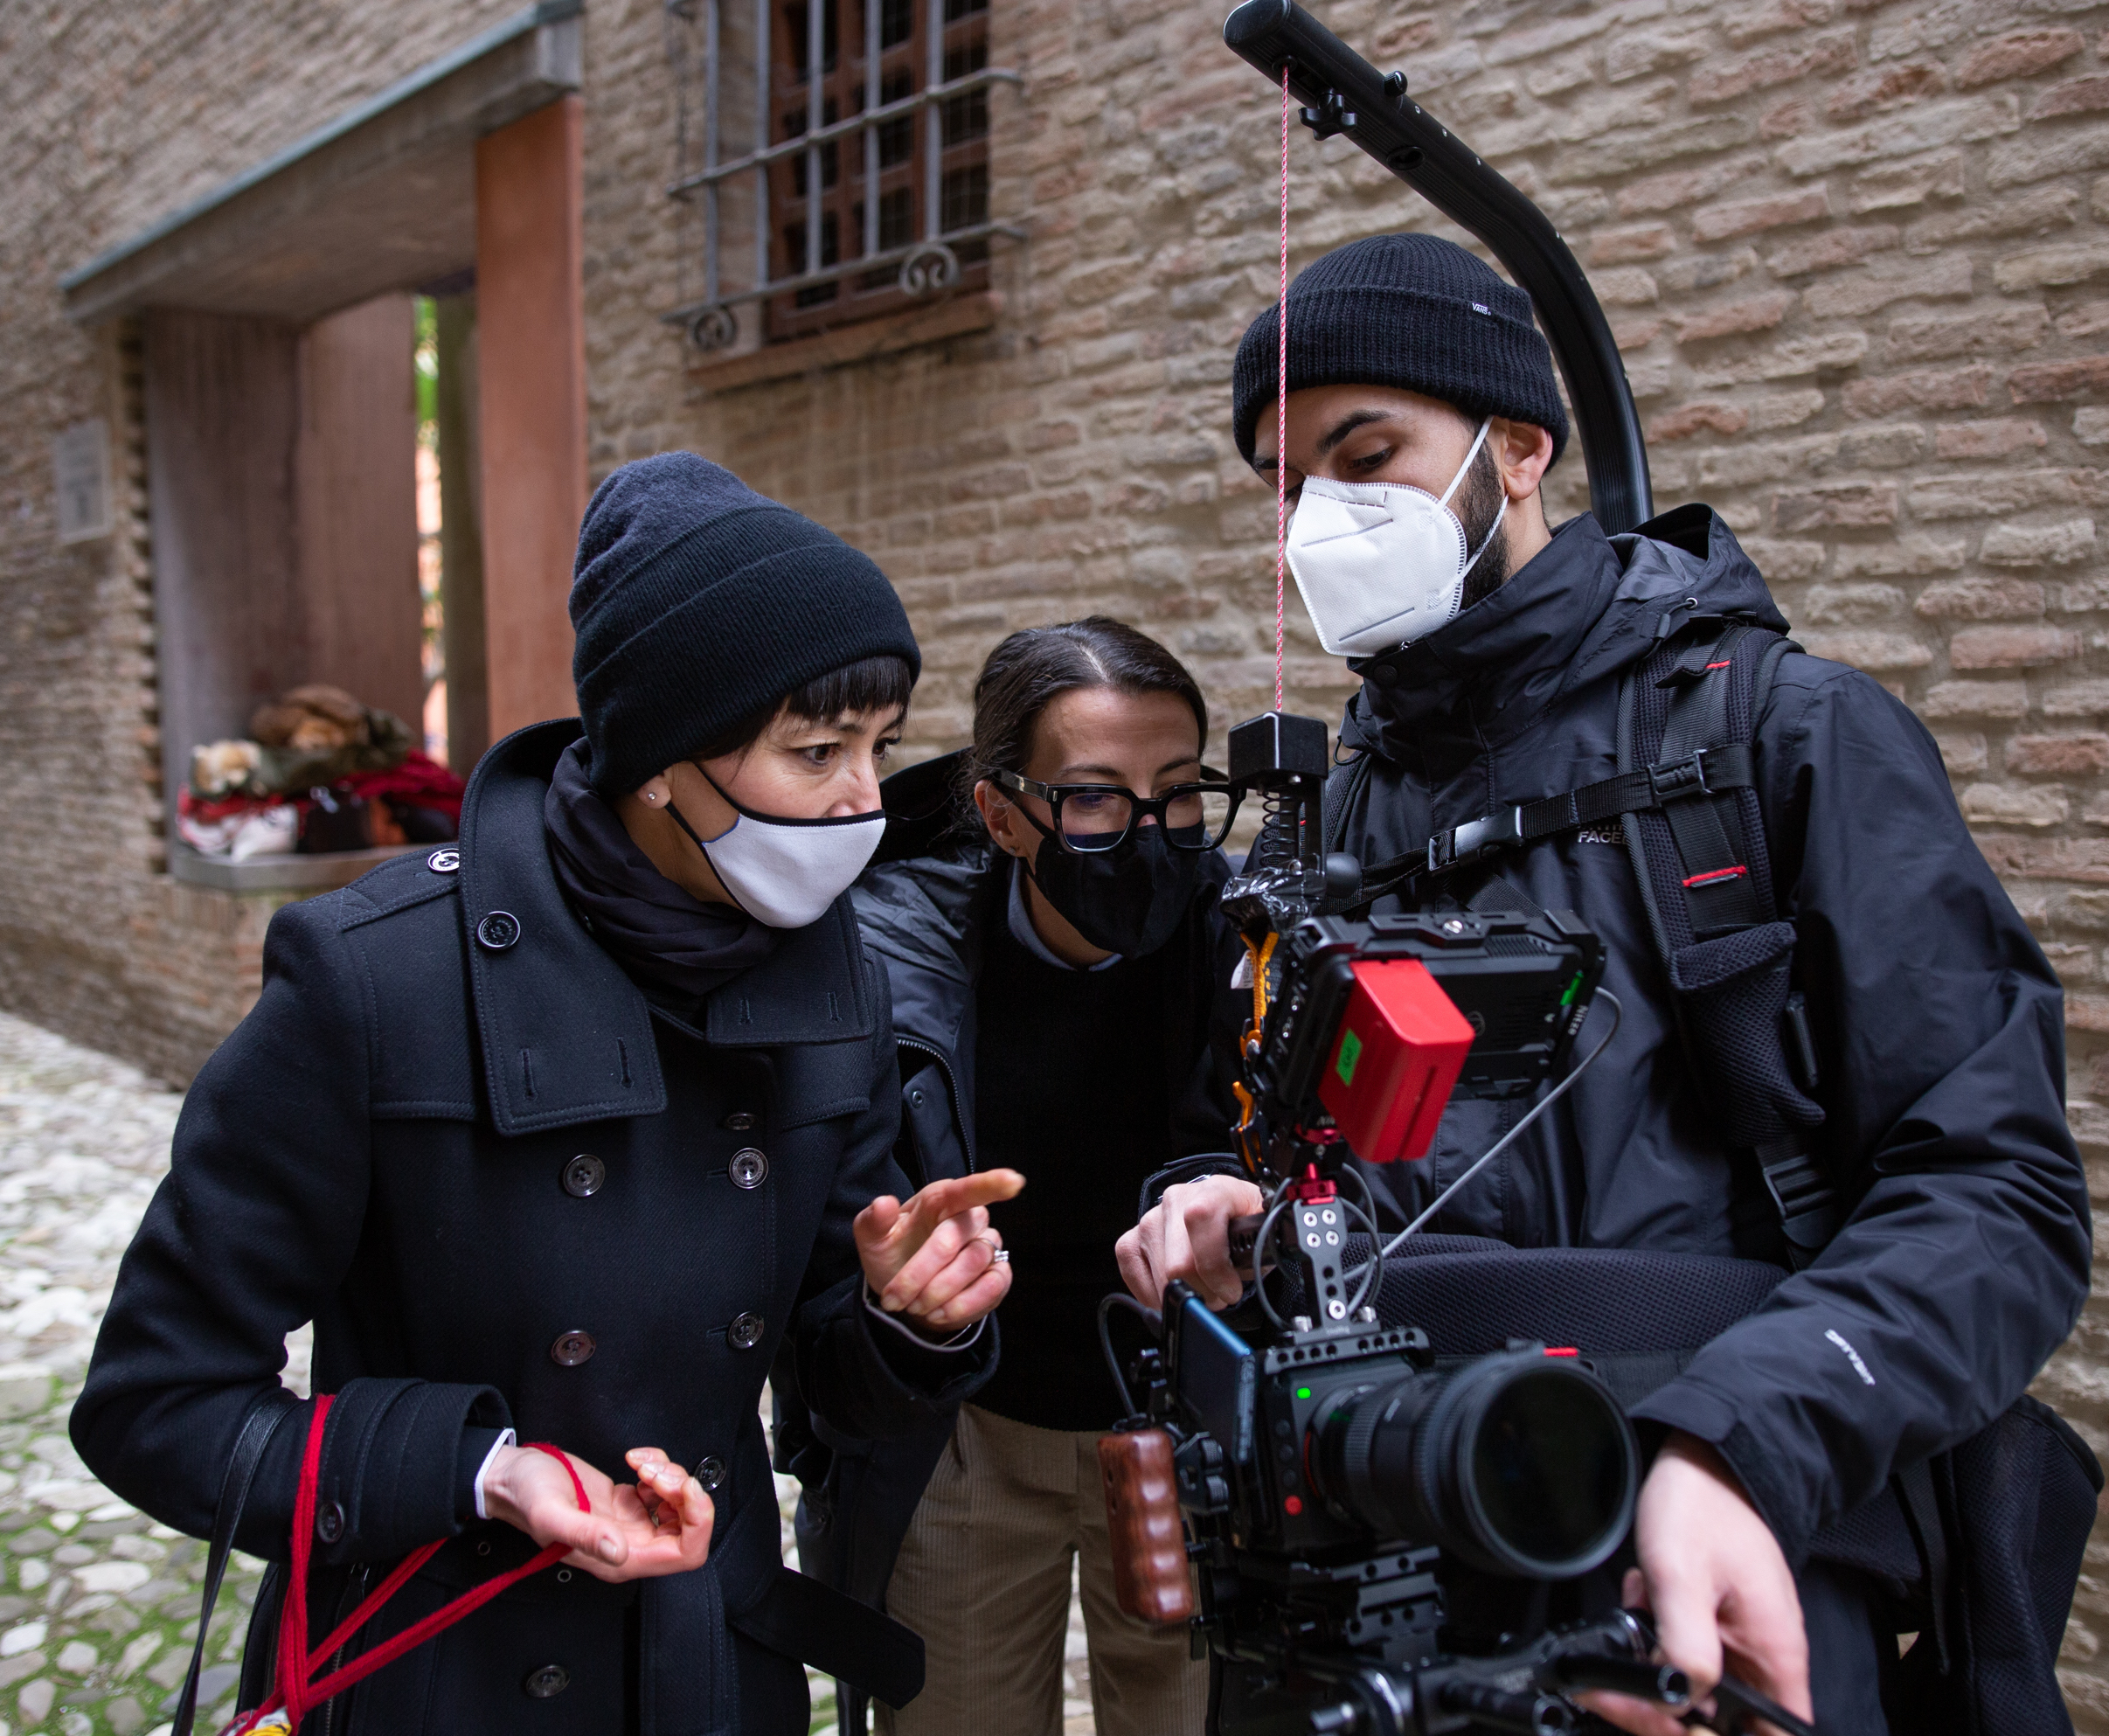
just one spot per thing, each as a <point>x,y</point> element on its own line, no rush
<point>999,1257</point>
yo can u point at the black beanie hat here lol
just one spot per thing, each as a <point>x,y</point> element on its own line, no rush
<point>697,603</point>
<point>1412,311</point>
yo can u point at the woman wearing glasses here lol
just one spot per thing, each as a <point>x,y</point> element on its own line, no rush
<point>1057,967</point>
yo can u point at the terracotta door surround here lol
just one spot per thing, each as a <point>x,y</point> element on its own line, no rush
<point>530,321</point>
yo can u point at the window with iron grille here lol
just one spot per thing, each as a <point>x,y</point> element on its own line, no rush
<point>863,188</point>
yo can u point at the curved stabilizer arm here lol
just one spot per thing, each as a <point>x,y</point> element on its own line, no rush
<point>1349,95</point>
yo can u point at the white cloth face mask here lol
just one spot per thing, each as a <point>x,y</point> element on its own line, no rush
<point>787,873</point>
<point>1380,564</point>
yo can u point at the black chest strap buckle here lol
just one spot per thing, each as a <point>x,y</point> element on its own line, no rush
<point>1709,773</point>
<point>1461,845</point>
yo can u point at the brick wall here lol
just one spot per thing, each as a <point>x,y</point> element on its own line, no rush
<point>117,116</point>
<point>1856,256</point>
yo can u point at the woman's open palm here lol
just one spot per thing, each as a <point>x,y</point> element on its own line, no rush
<point>659,1524</point>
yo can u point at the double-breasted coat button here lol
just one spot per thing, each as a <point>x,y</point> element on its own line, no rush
<point>548,1682</point>
<point>497,931</point>
<point>571,1349</point>
<point>749,1168</point>
<point>741,1121</point>
<point>444,861</point>
<point>711,1474</point>
<point>582,1175</point>
<point>746,1331</point>
<point>330,1521</point>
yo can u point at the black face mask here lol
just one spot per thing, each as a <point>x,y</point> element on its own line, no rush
<point>1129,899</point>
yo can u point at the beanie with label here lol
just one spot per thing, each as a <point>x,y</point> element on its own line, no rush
<point>1412,311</point>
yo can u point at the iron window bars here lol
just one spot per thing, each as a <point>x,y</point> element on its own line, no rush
<point>953,221</point>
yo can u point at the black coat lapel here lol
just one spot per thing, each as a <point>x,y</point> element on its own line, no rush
<point>566,1036</point>
<point>813,988</point>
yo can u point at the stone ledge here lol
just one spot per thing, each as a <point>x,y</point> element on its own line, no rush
<point>301,875</point>
<point>852,344</point>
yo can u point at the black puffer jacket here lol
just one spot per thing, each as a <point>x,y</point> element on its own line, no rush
<point>501,1184</point>
<point>923,908</point>
<point>1938,1021</point>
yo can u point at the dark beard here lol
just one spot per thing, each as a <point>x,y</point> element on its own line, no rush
<point>1479,501</point>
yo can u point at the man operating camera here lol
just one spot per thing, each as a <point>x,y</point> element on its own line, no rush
<point>1421,415</point>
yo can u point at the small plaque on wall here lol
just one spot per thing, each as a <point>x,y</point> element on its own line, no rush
<point>81,469</point>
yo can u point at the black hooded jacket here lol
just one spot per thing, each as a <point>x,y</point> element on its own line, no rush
<point>1938,1021</point>
<point>924,909</point>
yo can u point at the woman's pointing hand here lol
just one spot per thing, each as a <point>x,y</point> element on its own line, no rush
<point>934,1258</point>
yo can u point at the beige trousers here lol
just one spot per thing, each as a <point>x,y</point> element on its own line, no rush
<point>984,1576</point>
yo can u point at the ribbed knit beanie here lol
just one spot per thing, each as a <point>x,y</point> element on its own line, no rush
<point>697,603</point>
<point>1414,311</point>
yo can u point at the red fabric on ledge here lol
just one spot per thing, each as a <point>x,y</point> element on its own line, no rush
<point>419,782</point>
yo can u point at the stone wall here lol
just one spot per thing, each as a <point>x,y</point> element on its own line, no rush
<point>1856,255</point>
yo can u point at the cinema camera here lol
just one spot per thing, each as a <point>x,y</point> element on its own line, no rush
<point>1386,1543</point>
<point>1341,1487</point>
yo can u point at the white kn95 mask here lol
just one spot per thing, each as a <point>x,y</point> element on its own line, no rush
<point>1381,564</point>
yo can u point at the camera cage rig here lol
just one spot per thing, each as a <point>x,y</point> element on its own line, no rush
<point>1362,1032</point>
<point>1327,1598</point>
<point>1287,878</point>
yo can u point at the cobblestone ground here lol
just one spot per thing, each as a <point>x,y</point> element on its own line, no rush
<point>98,1604</point>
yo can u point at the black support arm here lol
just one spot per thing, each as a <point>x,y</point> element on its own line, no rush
<point>1349,96</point>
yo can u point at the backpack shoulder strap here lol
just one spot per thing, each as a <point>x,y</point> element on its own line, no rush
<point>1704,874</point>
<point>1688,699</point>
<point>1343,785</point>
<point>1647,781</point>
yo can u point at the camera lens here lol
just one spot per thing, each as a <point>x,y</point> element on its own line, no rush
<point>1515,1463</point>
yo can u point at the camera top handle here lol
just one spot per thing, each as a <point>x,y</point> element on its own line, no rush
<point>1341,93</point>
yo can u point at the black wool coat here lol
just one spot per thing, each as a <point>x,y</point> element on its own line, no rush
<point>454,1135</point>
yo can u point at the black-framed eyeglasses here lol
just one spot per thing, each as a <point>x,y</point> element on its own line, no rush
<point>1091,817</point>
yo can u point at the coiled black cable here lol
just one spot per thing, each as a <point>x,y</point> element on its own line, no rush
<point>1150,1318</point>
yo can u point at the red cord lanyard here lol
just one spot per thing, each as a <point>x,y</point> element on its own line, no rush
<point>1281,402</point>
<point>296,1689</point>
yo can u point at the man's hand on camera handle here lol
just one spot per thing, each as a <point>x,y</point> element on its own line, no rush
<point>1186,1235</point>
<point>1719,1588</point>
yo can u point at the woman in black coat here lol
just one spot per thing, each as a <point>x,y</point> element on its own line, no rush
<point>1060,987</point>
<point>565,1131</point>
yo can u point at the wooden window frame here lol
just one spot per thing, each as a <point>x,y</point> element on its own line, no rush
<point>894,137</point>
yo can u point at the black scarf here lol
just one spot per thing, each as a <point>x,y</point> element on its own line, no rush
<point>656,932</point>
